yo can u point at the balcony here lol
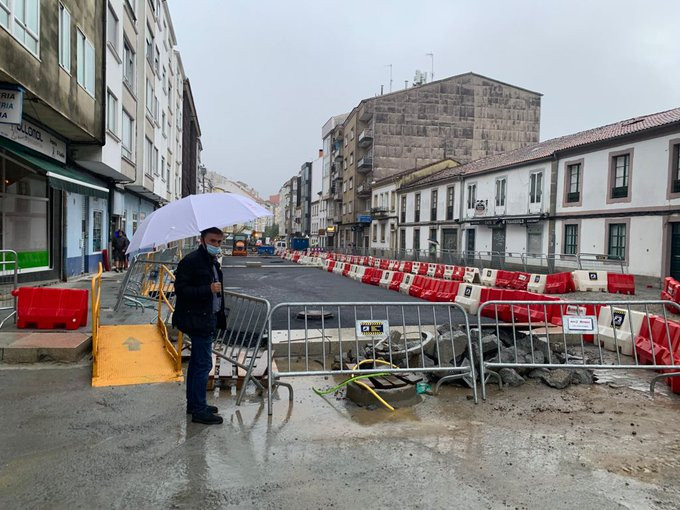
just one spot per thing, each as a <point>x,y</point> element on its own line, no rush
<point>620,192</point>
<point>365,164</point>
<point>337,195</point>
<point>365,111</point>
<point>365,138</point>
<point>574,196</point>
<point>380,212</point>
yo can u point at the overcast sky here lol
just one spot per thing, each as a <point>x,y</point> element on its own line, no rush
<point>267,74</point>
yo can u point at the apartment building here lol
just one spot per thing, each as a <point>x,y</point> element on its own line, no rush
<point>54,213</point>
<point>464,117</point>
<point>331,196</point>
<point>612,192</point>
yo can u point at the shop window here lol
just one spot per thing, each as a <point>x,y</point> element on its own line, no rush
<point>97,231</point>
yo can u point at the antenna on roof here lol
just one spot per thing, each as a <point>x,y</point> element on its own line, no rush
<point>390,66</point>
<point>431,55</point>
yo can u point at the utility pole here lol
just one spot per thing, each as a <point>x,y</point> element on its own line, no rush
<point>390,66</point>
<point>431,55</point>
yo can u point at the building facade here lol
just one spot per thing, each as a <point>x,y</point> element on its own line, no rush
<point>609,194</point>
<point>463,117</point>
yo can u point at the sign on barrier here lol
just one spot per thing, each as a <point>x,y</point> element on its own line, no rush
<point>580,324</point>
<point>367,329</point>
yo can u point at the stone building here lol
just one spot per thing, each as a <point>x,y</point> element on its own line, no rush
<point>464,117</point>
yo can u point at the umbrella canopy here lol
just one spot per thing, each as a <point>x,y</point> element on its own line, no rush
<point>188,216</point>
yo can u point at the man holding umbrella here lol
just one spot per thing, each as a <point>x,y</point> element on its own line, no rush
<point>199,313</point>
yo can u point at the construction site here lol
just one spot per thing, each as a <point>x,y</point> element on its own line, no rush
<point>334,390</point>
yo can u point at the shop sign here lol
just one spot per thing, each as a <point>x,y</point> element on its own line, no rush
<point>36,138</point>
<point>11,105</point>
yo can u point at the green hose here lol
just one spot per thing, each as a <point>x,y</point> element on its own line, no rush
<point>345,383</point>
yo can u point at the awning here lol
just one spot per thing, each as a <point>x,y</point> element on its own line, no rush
<point>58,176</point>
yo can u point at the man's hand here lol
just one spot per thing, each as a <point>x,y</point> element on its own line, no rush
<point>216,287</point>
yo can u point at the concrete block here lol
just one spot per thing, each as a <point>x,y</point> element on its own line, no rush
<point>55,346</point>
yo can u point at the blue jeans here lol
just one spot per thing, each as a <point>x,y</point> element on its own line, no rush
<point>200,365</point>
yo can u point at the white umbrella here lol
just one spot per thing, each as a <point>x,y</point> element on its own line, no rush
<point>188,216</point>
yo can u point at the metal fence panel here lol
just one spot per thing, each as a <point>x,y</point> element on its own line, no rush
<point>8,282</point>
<point>555,334</point>
<point>142,282</point>
<point>411,337</point>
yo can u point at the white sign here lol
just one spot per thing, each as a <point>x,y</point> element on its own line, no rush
<point>583,324</point>
<point>36,138</point>
<point>373,329</point>
<point>11,106</point>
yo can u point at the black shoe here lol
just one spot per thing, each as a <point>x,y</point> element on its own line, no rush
<point>207,418</point>
<point>210,409</point>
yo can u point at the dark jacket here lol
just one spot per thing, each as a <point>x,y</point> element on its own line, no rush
<point>120,244</point>
<point>194,303</point>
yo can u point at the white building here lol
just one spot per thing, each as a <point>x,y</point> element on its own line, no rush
<point>611,194</point>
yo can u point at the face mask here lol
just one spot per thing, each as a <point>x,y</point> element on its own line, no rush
<point>212,250</point>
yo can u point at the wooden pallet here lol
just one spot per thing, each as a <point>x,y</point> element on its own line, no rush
<point>229,374</point>
<point>386,382</point>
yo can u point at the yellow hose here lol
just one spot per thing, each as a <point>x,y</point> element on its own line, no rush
<point>366,386</point>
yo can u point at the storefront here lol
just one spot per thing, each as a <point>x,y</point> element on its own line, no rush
<point>35,191</point>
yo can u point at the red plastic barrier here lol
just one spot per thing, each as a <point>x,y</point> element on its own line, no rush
<point>396,280</point>
<point>535,313</point>
<point>331,265</point>
<point>643,346</point>
<point>384,264</point>
<point>424,266</point>
<point>559,283</point>
<point>394,265</point>
<point>458,273</point>
<point>408,267</point>
<point>504,278</point>
<point>418,285</point>
<point>432,287</point>
<point>368,275</point>
<point>439,271</point>
<point>671,292</point>
<point>620,283</point>
<point>448,292</point>
<point>493,311</point>
<point>51,308</point>
<point>519,281</point>
<point>376,276</point>
<point>660,330</point>
<point>346,269</point>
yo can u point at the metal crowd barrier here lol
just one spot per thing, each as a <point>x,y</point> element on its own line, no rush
<point>142,282</point>
<point>409,337</point>
<point>8,282</point>
<point>95,310</point>
<point>579,334</point>
<point>242,343</point>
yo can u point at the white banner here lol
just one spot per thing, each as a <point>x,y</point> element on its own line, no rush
<point>11,106</point>
<point>36,138</point>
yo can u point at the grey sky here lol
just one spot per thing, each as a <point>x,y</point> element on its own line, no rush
<point>267,74</point>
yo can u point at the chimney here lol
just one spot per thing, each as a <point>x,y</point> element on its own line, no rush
<point>321,153</point>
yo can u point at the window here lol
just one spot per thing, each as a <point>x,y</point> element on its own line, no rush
<point>574,182</point>
<point>149,96</point>
<point>402,240</point>
<point>351,158</point>
<point>164,81</point>
<point>536,187</point>
<point>416,217</point>
<point>345,140</point>
<point>111,113</point>
<point>351,134</point>
<point>24,15</point>
<point>449,202</point>
<point>85,56</point>
<point>155,161</point>
<point>97,231</point>
<point>351,183</point>
<point>163,167</point>
<point>621,169</point>
<point>156,60</point>
<point>128,136</point>
<point>433,205</point>
<point>128,64</point>
<point>163,123</point>
<point>155,108</point>
<point>64,37</point>
<point>432,246</point>
<point>112,29</point>
<point>402,212</point>
<point>4,13</point>
<point>675,168</point>
<point>344,186</point>
<point>148,154</point>
<point>617,241</point>
<point>149,45</point>
<point>393,200</point>
<point>471,196</point>
<point>375,232</point>
<point>416,239</point>
<point>500,192</point>
<point>350,207</point>
<point>382,232</point>
<point>570,239</point>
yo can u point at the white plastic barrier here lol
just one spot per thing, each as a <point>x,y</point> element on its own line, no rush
<point>394,265</point>
<point>471,275</point>
<point>352,271</point>
<point>621,320</point>
<point>537,283</point>
<point>590,280</point>
<point>415,268</point>
<point>385,279</point>
<point>406,283</point>
<point>400,268</point>
<point>448,272</point>
<point>432,268</point>
<point>326,264</point>
<point>468,297</point>
<point>488,277</point>
<point>339,267</point>
<point>359,273</point>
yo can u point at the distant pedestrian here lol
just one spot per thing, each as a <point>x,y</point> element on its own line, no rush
<point>120,245</point>
<point>199,313</point>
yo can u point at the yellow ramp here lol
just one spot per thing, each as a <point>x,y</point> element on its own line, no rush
<point>133,355</point>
